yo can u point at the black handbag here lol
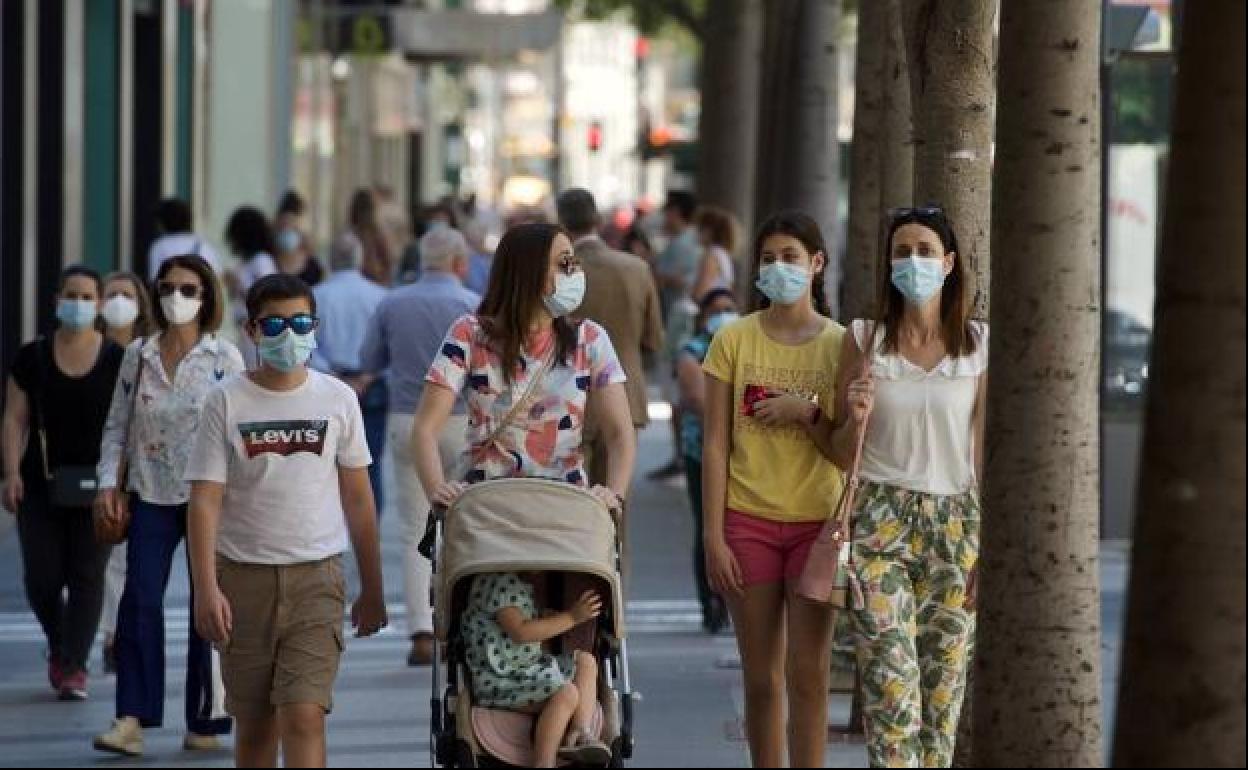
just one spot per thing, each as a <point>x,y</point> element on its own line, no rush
<point>73,486</point>
<point>69,486</point>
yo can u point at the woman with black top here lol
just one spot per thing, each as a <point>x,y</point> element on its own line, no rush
<point>57,399</point>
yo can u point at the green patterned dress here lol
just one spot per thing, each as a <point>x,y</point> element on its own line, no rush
<point>507,674</point>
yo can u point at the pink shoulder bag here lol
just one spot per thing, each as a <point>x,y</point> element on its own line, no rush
<point>828,577</point>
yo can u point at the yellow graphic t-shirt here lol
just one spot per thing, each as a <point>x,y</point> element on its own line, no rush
<point>777,473</point>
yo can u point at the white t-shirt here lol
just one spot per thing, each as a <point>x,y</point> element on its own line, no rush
<point>176,245</point>
<point>255,268</point>
<point>278,454</point>
<point>727,275</point>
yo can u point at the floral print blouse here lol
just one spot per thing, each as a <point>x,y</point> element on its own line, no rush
<point>165,415</point>
<point>545,441</point>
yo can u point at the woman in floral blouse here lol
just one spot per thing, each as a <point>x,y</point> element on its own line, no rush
<point>521,331</point>
<point>152,435</point>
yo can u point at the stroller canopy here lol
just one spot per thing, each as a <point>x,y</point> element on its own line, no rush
<point>520,525</point>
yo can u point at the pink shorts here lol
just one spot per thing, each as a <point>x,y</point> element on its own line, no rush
<point>769,551</point>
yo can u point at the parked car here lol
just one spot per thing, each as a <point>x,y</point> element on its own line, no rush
<point>1128,346</point>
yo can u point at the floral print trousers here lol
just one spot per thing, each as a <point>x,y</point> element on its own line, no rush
<point>913,554</point>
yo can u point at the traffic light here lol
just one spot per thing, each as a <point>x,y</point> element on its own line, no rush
<point>656,141</point>
<point>594,139</point>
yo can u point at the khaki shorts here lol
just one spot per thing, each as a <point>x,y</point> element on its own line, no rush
<point>287,639</point>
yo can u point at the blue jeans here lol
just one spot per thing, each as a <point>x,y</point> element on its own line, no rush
<point>155,531</point>
<point>373,407</point>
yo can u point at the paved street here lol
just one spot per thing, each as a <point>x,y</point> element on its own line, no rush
<point>689,713</point>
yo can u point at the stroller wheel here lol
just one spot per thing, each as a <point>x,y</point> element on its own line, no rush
<point>442,751</point>
<point>617,753</point>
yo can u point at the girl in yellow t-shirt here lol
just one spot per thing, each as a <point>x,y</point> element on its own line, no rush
<point>767,488</point>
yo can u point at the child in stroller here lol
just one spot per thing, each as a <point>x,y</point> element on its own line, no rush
<point>504,636</point>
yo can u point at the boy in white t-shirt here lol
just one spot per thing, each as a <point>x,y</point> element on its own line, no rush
<point>279,477</point>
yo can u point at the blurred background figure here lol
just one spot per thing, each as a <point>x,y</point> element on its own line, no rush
<point>295,255</point>
<point>176,237</point>
<point>394,221</point>
<point>379,259</point>
<point>250,239</point>
<point>676,269</point>
<point>619,295</point>
<point>127,314</point>
<point>404,336</point>
<point>637,243</point>
<point>716,309</point>
<point>718,233</point>
<point>480,257</point>
<point>345,304</point>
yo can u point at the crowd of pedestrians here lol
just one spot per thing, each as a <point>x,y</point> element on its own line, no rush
<point>268,410</point>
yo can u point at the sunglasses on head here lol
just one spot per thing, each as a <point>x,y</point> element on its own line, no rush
<point>920,211</point>
<point>299,323</point>
<point>188,290</point>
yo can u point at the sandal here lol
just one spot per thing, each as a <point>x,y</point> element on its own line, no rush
<point>587,751</point>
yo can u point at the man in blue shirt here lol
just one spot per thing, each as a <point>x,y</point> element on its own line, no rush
<point>404,337</point>
<point>345,304</point>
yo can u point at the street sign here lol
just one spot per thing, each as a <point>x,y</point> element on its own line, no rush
<point>361,33</point>
<point>443,35</point>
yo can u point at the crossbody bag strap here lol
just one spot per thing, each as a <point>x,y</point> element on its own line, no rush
<point>852,479</point>
<point>517,407</point>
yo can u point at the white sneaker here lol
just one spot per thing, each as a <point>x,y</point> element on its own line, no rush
<point>197,742</point>
<point>125,737</point>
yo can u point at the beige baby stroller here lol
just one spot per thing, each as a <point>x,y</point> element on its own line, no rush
<point>525,525</point>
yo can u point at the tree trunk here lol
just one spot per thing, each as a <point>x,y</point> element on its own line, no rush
<point>862,251</point>
<point>897,123</point>
<point>728,126</point>
<point>952,76</point>
<point>1037,681</point>
<point>798,149</point>
<point>1181,701</point>
<point>896,150</point>
<point>949,57</point>
<point>779,33</point>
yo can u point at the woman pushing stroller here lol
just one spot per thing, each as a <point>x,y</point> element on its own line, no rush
<point>529,374</point>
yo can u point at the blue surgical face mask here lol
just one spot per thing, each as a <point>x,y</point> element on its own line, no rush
<point>918,278</point>
<point>288,239</point>
<point>720,320</point>
<point>287,351</point>
<point>569,293</point>
<point>782,283</point>
<point>76,314</point>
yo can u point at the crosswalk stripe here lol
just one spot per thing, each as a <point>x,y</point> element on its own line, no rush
<point>644,616</point>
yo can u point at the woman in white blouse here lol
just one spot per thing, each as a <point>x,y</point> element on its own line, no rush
<point>150,433</point>
<point>916,521</point>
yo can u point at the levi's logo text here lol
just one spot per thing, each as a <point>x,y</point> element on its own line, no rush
<point>283,437</point>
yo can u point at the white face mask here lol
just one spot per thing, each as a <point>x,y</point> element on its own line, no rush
<point>569,293</point>
<point>120,311</point>
<point>180,310</point>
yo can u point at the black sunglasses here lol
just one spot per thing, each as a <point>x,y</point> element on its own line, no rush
<point>299,323</point>
<point>569,264</point>
<point>188,290</point>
